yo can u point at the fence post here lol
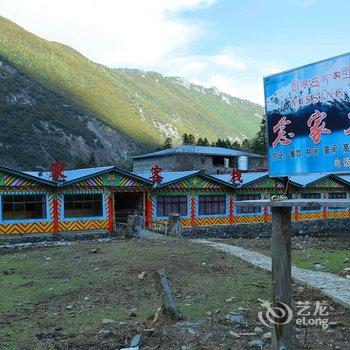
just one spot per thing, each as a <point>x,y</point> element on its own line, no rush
<point>281,276</point>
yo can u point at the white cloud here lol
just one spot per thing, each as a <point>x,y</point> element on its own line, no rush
<point>146,34</point>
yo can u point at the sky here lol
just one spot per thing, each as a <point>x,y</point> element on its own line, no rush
<point>229,44</point>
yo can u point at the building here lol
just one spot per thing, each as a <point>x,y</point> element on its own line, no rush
<point>211,160</point>
<point>97,199</point>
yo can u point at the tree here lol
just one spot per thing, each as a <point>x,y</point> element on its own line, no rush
<point>168,143</point>
<point>259,143</point>
<point>236,145</point>
<point>246,145</point>
<point>185,139</point>
<point>206,142</point>
<point>191,139</point>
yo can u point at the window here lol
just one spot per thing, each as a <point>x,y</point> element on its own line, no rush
<point>248,210</point>
<point>311,196</point>
<point>82,205</point>
<point>23,207</point>
<point>171,205</point>
<point>337,195</point>
<point>209,205</point>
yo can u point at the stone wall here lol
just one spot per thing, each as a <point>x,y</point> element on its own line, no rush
<point>307,227</point>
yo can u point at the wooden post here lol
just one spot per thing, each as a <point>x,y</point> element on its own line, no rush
<point>169,307</point>
<point>281,275</point>
<point>110,212</point>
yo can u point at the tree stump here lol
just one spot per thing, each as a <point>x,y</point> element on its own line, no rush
<point>169,308</point>
<point>134,225</point>
<point>174,225</point>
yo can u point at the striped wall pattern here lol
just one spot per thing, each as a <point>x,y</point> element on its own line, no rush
<point>26,228</point>
<point>9,180</point>
<point>193,183</point>
<point>83,225</point>
<point>110,180</point>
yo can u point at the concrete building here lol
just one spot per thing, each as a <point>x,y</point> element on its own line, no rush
<point>211,160</point>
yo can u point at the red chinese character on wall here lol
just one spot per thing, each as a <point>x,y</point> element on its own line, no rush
<point>155,173</point>
<point>236,176</point>
<point>281,137</point>
<point>57,169</point>
<point>347,131</point>
<point>317,126</point>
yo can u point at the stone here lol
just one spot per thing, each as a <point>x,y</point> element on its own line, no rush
<point>132,314</point>
<point>107,321</point>
<point>134,348</point>
<point>137,341</point>
<point>69,307</point>
<point>234,334</point>
<point>258,330</point>
<point>256,344</point>
<point>104,332</point>
<point>234,317</point>
<point>229,300</point>
<point>267,336</point>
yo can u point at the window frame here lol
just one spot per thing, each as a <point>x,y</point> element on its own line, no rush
<point>43,203</point>
<point>310,195</point>
<point>330,194</point>
<point>169,200</point>
<point>82,203</point>
<point>204,199</point>
<point>249,211</point>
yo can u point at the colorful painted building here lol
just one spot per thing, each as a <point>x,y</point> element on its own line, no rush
<point>99,198</point>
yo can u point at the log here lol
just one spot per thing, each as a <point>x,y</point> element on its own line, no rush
<point>169,308</point>
<point>174,225</point>
<point>281,276</point>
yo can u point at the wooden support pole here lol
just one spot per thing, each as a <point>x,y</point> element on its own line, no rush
<point>281,276</point>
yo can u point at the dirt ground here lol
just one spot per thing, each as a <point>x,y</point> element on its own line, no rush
<point>57,298</point>
<point>328,254</point>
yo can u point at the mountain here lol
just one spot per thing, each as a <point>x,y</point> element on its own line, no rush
<point>55,103</point>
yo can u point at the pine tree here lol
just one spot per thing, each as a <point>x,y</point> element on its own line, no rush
<point>259,143</point>
<point>185,139</point>
<point>168,143</point>
<point>191,139</point>
<point>206,142</point>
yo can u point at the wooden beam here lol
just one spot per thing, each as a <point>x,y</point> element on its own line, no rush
<point>337,203</point>
<point>281,277</point>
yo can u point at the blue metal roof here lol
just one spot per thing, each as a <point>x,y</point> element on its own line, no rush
<point>307,179</point>
<point>168,176</point>
<point>199,150</point>
<point>246,177</point>
<point>72,175</point>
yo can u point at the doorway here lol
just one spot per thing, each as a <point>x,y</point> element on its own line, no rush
<point>127,203</point>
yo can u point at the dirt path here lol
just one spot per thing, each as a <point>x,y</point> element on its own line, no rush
<point>337,288</point>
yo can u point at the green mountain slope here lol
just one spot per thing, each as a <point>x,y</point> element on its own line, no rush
<point>142,107</point>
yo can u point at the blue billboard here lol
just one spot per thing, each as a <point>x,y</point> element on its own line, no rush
<point>308,118</point>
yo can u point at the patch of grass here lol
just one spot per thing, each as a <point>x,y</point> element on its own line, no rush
<point>70,289</point>
<point>333,261</point>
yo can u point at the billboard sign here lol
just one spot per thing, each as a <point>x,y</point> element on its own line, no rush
<point>308,118</point>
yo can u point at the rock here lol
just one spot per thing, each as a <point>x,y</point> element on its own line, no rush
<point>267,336</point>
<point>234,334</point>
<point>256,344</point>
<point>258,330</point>
<point>132,314</point>
<point>229,300</point>
<point>134,348</point>
<point>234,317</point>
<point>319,267</point>
<point>104,332</point>
<point>347,269</point>
<point>142,275</point>
<point>93,251</point>
<point>149,331</point>
<point>107,321</point>
<point>137,341</point>
<point>217,311</point>
<point>185,347</point>
<point>69,307</point>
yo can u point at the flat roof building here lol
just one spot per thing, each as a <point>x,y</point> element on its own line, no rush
<point>212,160</point>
